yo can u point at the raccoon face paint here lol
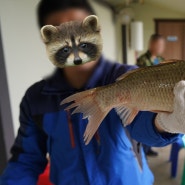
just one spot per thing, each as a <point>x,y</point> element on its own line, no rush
<point>73,43</point>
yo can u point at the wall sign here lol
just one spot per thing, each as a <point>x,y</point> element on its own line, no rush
<point>172,38</point>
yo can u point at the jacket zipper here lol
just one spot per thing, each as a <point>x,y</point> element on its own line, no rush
<point>97,137</point>
<point>71,131</point>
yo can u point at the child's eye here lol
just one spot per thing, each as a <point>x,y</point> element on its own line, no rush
<point>66,50</point>
<point>83,45</point>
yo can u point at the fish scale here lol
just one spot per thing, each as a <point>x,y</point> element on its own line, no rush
<point>152,89</point>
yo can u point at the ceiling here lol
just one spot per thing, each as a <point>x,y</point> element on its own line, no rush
<point>175,5</point>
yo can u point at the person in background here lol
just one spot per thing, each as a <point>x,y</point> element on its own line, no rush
<point>155,52</point>
<point>152,57</point>
<point>113,157</point>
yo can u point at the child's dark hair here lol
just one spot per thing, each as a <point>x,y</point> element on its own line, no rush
<point>156,37</point>
<point>46,7</point>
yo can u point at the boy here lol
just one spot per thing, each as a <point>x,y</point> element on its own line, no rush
<point>112,157</point>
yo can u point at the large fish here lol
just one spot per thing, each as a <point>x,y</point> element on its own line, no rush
<point>143,89</point>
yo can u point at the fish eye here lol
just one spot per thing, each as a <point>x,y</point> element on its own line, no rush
<point>83,45</point>
<point>66,50</point>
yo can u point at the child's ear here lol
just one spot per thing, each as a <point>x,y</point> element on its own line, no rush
<point>48,33</point>
<point>91,22</point>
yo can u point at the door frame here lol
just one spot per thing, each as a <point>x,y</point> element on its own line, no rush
<point>124,43</point>
<point>6,123</point>
<point>166,20</point>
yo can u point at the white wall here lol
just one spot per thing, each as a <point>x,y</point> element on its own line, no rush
<point>108,30</point>
<point>25,57</point>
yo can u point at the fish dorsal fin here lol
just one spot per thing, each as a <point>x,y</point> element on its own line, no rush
<point>169,61</point>
<point>128,73</point>
<point>143,68</point>
<point>126,114</point>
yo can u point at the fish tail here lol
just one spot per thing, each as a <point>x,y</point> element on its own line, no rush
<point>86,103</point>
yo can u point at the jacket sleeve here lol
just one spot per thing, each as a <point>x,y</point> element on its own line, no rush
<point>28,152</point>
<point>140,63</point>
<point>143,130</point>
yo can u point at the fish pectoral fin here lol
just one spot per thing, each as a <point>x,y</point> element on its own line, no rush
<point>94,121</point>
<point>126,114</point>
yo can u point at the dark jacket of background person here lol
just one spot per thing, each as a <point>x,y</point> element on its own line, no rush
<point>146,60</point>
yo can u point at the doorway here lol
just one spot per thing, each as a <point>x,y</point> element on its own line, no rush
<point>174,33</point>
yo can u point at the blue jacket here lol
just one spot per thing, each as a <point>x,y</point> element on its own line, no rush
<point>109,159</point>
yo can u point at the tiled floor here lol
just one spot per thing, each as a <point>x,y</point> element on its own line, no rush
<point>161,167</point>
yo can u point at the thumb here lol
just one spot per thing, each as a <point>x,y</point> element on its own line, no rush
<point>179,100</point>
